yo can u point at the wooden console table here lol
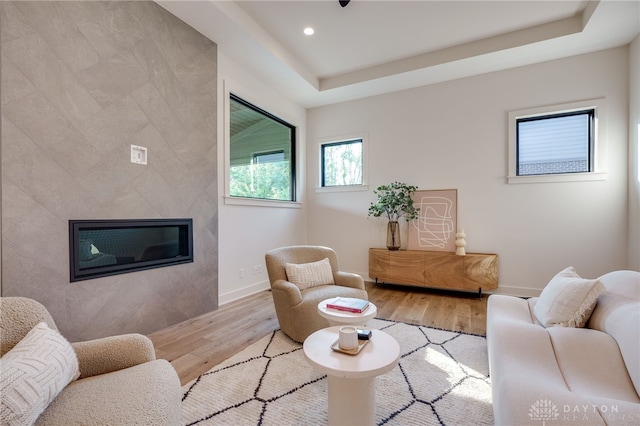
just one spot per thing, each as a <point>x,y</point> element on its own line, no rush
<point>435,269</point>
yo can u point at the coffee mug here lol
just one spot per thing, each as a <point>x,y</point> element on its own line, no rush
<point>348,338</point>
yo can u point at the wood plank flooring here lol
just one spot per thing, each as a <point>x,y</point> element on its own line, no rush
<point>196,345</point>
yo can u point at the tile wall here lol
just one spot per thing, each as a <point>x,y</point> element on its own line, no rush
<point>80,83</point>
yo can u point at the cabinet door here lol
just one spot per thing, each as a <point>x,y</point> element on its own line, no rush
<point>407,267</point>
<point>480,271</point>
<point>443,270</point>
<point>379,266</point>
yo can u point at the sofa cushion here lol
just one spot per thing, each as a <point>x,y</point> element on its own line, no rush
<point>591,363</point>
<point>311,274</point>
<point>146,394</point>
<point>567,300</point>
<point>34,372</point>
<point>618,314</point>
<point>522,363</point>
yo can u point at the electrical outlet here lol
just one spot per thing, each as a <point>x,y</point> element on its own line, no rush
<point>242,272</point>
<point>257,269</point>
<point>138,154</point>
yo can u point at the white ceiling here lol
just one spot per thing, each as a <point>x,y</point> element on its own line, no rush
<point>372,47</point>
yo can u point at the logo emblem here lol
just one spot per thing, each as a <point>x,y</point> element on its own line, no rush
<point>543,410</point>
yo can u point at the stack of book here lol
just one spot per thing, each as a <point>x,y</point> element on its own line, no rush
<point>348,304</point>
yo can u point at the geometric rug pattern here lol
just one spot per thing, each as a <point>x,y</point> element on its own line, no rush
<point>442,378</point>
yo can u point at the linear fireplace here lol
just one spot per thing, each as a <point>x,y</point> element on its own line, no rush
<point>99,248</point>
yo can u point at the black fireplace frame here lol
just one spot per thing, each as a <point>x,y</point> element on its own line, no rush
<point>183,246</point>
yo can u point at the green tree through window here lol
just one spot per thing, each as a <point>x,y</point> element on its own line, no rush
<point>342,163</point>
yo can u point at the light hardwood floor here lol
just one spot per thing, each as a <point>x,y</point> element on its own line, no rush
<point>196,345</point>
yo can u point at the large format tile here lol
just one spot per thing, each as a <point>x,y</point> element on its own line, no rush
<point>112,78</point>
<point>40,120</point>
<point>114,126</point>
<point>51,21</point>
<point>14,25</point>
<point>160,114</point>
<point>33,56</point>
<point>14,84</point>
<point>29,167</point>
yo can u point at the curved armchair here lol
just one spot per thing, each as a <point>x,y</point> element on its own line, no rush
<point>120,382</point>
<point>297,306</point>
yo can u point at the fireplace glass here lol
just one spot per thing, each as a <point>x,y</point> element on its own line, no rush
<point>98,248</point>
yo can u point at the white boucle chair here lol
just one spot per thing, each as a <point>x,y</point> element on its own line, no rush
<point>120,383</point>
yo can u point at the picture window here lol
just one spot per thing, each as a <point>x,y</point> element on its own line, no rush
<point>261,153</point>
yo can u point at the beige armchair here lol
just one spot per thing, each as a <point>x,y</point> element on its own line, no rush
<point>297,309</point>
<point>120,381</point>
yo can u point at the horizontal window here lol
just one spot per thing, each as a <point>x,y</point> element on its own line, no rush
<point>557,143</point>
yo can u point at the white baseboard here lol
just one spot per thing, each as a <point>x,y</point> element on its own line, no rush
<point>516,291</point>
<point>231,296</point>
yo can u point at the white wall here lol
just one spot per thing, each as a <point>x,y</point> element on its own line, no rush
<point>454,135</point>
<point>634,155</point>
<point>248,232</point>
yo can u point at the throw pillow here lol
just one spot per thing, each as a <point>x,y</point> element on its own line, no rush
<point>33,374</point>
<point>306,275</point>
<point>568,300</point>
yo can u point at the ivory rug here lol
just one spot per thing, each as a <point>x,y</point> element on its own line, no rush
<point>442,379</point>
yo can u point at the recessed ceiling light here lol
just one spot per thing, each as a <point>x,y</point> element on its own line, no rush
<point>309,31</point>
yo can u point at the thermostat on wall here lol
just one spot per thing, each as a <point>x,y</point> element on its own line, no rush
<point>138,154</point>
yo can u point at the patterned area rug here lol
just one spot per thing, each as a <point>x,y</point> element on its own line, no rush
<point>442,379</point>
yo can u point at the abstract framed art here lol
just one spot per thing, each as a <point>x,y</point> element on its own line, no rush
<point>435,227</point>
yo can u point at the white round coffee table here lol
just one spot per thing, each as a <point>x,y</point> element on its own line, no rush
<point>336,317</point>
<point>351,378</point>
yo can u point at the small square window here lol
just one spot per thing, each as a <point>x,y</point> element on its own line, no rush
<point>341,163</point>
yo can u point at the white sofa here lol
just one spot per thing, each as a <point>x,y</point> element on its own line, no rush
<point>567,375</point>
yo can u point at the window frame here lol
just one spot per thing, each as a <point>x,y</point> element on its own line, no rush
<point>597,150</point>
<point>591,137</point>
<point>294,158</point>
<point>363,137</point>
<point>257,155</point>
<point>323,147</point>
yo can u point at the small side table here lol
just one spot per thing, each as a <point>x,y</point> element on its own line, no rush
<point>336,317</point>
<point>351,378</point>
